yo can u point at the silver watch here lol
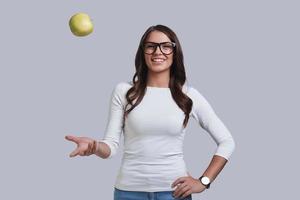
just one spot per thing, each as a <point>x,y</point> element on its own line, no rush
<point>205,181</point>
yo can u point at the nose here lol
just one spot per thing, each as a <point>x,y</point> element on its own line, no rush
<point>157,50</point>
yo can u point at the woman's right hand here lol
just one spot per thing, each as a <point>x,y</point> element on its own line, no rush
<point>85,146</point>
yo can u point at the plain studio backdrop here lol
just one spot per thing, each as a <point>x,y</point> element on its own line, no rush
<point>243,56</point>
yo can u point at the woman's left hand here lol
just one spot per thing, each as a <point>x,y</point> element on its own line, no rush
<point>187,185</point>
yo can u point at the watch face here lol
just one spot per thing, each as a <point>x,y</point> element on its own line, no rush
<point>205,180</point>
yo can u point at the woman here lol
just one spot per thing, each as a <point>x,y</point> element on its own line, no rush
<point>152,111</point>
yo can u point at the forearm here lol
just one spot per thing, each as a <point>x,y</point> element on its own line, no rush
<point>102,150</point>
<point>215,167</point>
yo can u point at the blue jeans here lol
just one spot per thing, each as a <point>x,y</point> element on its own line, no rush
<point>137,195</point>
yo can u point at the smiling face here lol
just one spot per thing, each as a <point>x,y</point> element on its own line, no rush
<point>158,61</point>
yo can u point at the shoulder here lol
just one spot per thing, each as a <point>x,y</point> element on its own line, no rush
<point>121,89</point>
<point>196,95</point>
<point>190,90</point>
<point>122,86</point>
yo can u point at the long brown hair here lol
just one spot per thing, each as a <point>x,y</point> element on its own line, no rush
<point>177,76</point>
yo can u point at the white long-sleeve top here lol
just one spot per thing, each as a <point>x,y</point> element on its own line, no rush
<point>153,137</point>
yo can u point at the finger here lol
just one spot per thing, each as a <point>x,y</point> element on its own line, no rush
<point>86,151</point>
<point>74,153</point>
<point>182,190</point>
<point>89,150</point>
<point>187,193</point>
<point>179,189</point>
<point>180,186</point>
<point>179,180</point>
<point>72,138</point>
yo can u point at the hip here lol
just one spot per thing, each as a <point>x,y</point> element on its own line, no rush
<point>141,195</point>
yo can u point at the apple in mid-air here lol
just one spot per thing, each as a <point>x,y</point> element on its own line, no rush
<point>81,24</point>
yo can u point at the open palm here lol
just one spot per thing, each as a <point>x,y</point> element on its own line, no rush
<point>85,145</point>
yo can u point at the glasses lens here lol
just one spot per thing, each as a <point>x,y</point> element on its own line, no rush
<point>167,48</point>
<point>149,47</point>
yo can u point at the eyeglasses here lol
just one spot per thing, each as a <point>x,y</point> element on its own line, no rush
<point>165,47</point>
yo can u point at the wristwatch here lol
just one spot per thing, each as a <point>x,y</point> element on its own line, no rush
<point>205,181</point>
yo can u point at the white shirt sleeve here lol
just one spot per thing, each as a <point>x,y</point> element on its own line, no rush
<point>208,120</point>
<point>113,128</point>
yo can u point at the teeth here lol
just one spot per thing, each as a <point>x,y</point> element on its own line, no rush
<point>158,60</point>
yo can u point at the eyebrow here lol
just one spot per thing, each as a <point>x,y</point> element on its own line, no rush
<point>158,42</point>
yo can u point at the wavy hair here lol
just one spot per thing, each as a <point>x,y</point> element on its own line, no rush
<point>177,76</point>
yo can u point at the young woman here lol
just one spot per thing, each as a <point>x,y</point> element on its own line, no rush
<point>152,111</point>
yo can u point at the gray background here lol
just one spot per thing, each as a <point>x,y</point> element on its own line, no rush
<point>243,56</point>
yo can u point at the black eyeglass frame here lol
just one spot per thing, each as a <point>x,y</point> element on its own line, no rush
<point>159,45</point>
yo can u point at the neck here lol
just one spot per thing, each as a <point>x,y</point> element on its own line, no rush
<point>161,79</point>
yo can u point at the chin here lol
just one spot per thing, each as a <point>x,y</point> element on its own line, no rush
<point>159,69</point>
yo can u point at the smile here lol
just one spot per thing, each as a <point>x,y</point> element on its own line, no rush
<point>158,60</point>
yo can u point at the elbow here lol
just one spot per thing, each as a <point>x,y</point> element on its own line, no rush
<point>232,147</point>
<point>226,147</point>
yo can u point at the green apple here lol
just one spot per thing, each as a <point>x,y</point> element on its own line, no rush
<point>81,24</point>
